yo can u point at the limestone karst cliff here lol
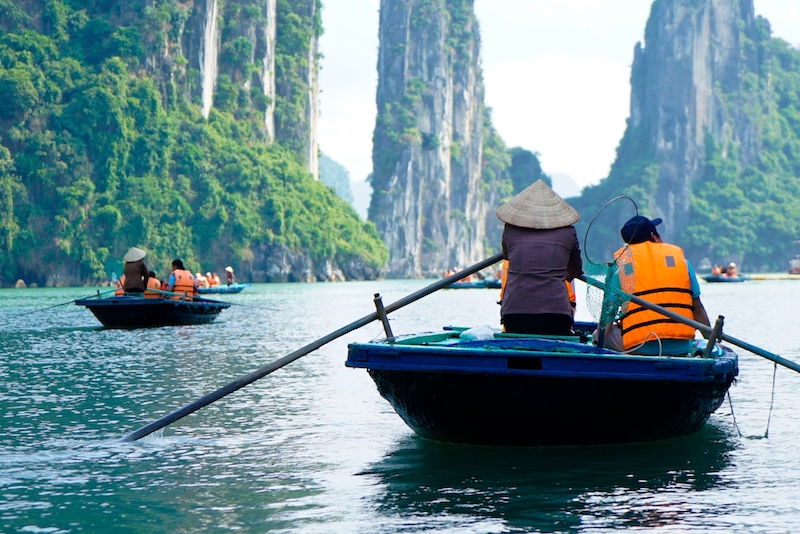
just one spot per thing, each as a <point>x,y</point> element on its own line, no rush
<point>186,128</point>
<point>430,201</point>
<point>686,83</point>
<point>711,141</point>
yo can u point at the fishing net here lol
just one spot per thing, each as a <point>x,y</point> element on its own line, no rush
<point>608,269</point>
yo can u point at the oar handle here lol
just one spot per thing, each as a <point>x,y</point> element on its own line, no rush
<point>64,303</point>
<point>705,329</point>
<point>277,364</point>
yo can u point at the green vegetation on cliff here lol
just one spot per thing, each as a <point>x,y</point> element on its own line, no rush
<point>92,161</point>
<point>747,212</point>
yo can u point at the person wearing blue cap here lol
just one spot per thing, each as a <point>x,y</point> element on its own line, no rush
<point>660,273</point>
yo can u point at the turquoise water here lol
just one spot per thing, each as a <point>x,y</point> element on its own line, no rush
<point>314,448</point>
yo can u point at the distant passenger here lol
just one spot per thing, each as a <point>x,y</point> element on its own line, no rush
<point>201,280</point>
<point>229,278</point>
<point>135,272</point>
<point>153,283</point>
<point>731,271</point>
<point>181,281</point>
<point>120,286</point>
<point>541,246</point>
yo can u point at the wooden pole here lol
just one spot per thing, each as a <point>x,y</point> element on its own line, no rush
<point>705,329</point>
<point>382,316</point>
<point>65,303</point>
<point>289,358</point>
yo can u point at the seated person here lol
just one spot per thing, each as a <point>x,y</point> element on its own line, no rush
<point>181,281</point>
<point>153,283</point>
<point>659,273</point>
<point>541,247</point>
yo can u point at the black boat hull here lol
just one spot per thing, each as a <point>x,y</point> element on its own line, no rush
<point>135,312</point>
<point>491,409</point>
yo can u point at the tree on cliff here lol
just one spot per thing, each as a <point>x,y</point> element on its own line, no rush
<point>99,152</point>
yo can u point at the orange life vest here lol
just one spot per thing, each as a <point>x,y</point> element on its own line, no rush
<point>120,286</point>
<point>573,301</point>
<point>152,283</point>
<point>656,272</point>
<point>184,283</point>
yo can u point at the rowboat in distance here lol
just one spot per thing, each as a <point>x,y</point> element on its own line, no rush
<point>486,283</point>
<point>511,389</point>
<point>137,312</point>
<point>726,279</point>
<point>233,288</point>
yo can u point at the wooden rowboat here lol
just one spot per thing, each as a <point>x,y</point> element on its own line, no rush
<point>713,278</point>
<point>138,312</point>
<point>490,283</point>
<point>528,390</point>
<point>233,288</point>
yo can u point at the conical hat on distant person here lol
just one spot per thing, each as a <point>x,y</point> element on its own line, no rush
<point>134,254</point>
<point>229,269</point>
<point>537,206</point>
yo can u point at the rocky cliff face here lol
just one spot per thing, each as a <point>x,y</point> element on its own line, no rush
<point>428,203</point>
<point>687,83</point>
<point>209,50</point>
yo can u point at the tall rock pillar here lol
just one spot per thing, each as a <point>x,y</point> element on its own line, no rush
<point>686,84</point>
<point>427,200</point>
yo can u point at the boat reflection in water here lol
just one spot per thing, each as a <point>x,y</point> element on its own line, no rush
<point>644,485</point>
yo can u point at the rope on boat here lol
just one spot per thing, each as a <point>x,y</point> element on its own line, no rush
<point>769,415</point>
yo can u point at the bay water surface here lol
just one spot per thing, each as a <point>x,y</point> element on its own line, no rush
<point>314,448</point>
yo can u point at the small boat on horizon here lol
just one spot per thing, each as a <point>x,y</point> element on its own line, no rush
<point>222,289</point>
<point>737,278</point>
<point>511,389</point>
<point>140,312</point>
<point>486,283</point>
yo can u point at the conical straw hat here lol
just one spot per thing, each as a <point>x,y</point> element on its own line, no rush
<point>134,254</point>
<point>537,206</point>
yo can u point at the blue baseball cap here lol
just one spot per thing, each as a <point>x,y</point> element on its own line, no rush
<point>638,229</point>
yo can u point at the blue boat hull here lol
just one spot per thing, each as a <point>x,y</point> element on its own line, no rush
<point>233,288</point>
<point>544,396</point>
<point>725,279</point>
<point>136,312</point>
<point>489,283</point>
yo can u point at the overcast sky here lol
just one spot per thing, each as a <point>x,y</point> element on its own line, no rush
<point>557,76</point>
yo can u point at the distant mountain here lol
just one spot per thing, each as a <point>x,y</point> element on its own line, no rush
<point>362,193</point>
<point>565,185</point>
<point>335,175</point>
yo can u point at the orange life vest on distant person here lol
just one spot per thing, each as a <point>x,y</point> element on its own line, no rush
<point>658,273</point>
<point>184,283</point>
<point>152,283</point>
<point>120,291</point>
<point>573,301</point>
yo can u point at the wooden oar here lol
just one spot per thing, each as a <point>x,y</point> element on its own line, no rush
<point>699,326</point>
<point>289,358</point>
<point>65,303</point>
<point>174,294</point>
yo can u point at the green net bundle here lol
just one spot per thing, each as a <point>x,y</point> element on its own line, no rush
<point>608,293</point>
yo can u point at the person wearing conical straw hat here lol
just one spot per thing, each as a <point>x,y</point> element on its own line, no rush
<point>135,271</point>
<point>541,247</point>
<point>229,278</point>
